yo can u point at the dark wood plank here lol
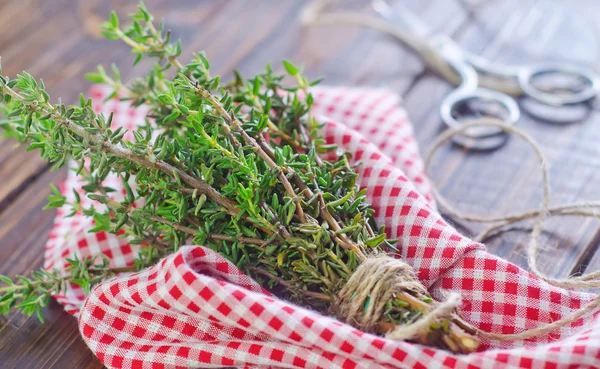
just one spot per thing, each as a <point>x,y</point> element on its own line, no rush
<point>17,169</point>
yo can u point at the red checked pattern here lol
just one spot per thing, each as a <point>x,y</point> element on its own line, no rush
<point>195,309</point>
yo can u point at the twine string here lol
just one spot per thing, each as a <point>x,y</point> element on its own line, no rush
<point>362,300</point>
<point>587,209</point>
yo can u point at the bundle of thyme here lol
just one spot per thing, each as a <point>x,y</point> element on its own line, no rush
<point>234,167</point>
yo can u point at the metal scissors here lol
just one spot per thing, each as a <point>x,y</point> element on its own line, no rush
<point>470,67</point>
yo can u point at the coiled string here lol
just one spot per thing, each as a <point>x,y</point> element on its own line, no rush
<point>498,223</point>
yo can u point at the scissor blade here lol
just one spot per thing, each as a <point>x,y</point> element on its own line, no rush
<point>401,17</point>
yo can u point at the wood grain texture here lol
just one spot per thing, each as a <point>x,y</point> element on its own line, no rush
<point>59,42</point>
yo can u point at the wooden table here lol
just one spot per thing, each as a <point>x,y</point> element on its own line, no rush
<point>59,42</point>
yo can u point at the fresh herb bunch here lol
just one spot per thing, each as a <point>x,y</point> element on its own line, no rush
<point>233,166</point>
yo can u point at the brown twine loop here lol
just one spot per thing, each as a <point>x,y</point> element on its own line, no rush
<point>362,300</point>
<point>587,209</point>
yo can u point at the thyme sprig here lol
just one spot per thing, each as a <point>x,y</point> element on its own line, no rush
<point>31,295</point>
<point>234,167</point>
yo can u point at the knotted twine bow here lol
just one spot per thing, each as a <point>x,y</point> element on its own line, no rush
<point>376,280</point>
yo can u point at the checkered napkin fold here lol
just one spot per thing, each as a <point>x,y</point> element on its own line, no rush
<point>196,309</point>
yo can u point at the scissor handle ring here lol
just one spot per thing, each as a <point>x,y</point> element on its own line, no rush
<point>591,78</point>
<point>460,96</point>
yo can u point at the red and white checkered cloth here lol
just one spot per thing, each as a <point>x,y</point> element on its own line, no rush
<point>195,309</point>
